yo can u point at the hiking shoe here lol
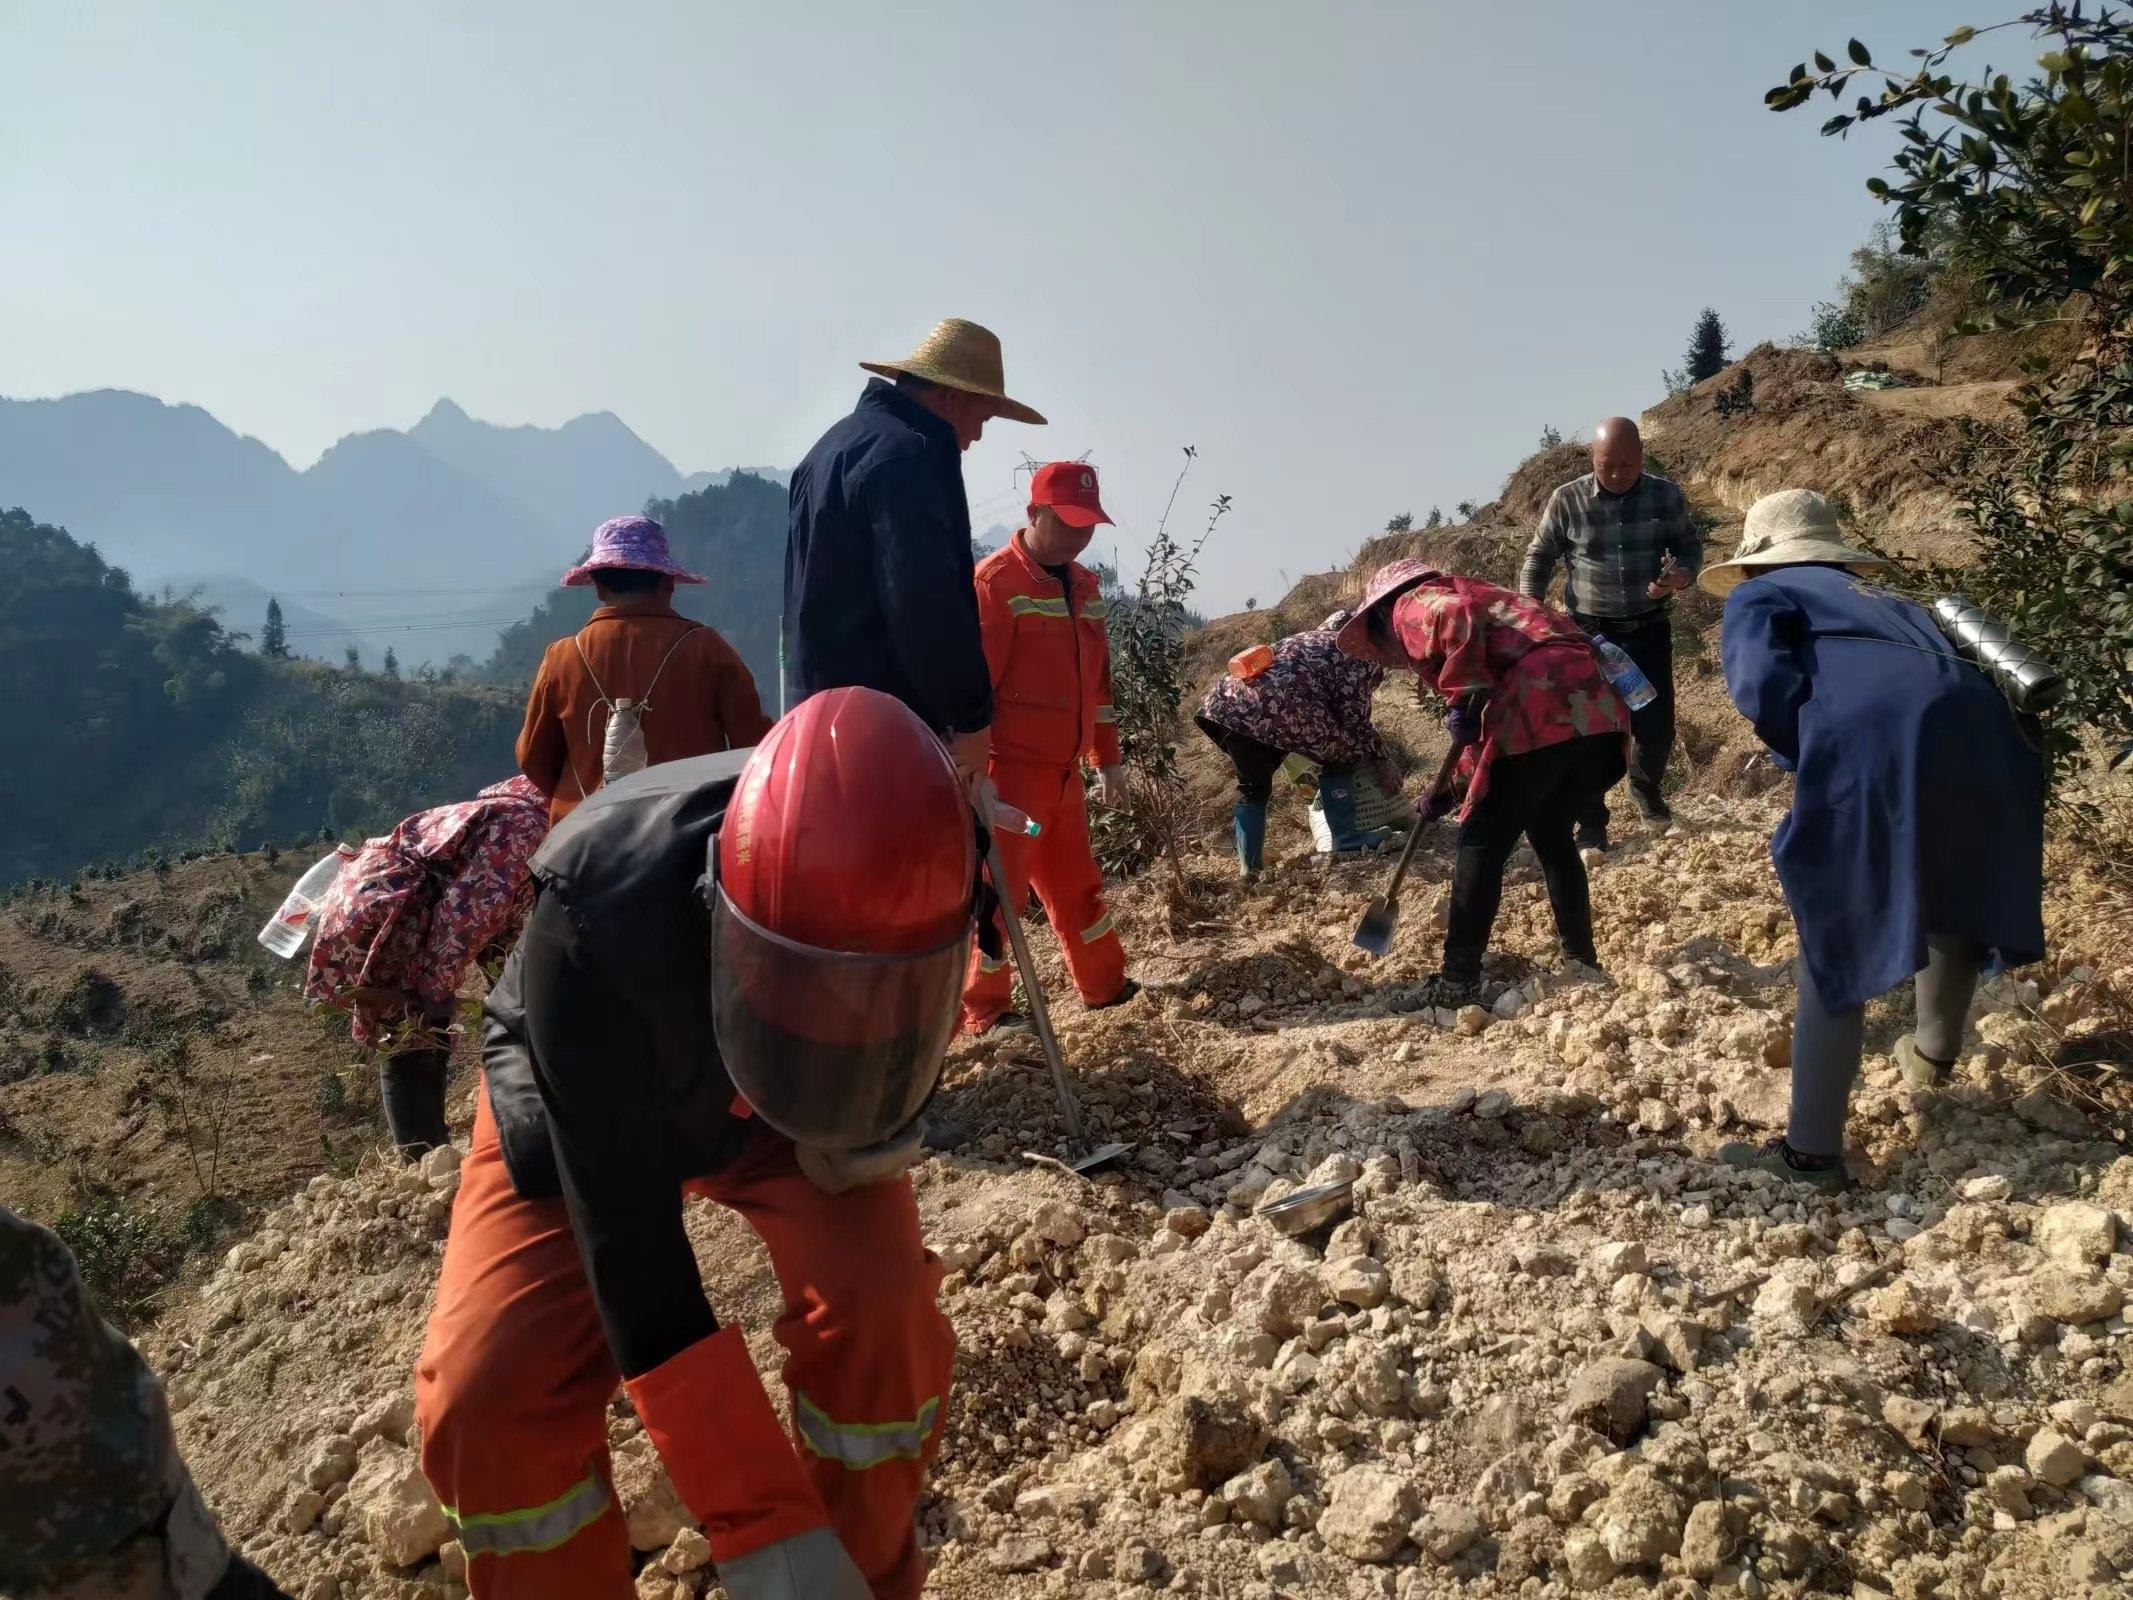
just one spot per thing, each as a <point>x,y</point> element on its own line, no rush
<point>1449,991</point>
<point>1653,808</point>
<point>1920,1070</point>
<point>943,1133</point>
<point>1007,1025</point>
<point>1778,1158</point>
<point>1126,991</point>
<point>1592,839</point>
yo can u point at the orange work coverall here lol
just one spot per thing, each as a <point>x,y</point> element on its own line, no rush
<point>1050,659</point>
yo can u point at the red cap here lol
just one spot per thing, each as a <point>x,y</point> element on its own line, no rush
<point>1069,488</point>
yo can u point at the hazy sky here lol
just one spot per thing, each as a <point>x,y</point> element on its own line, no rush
<point>1358,254</point>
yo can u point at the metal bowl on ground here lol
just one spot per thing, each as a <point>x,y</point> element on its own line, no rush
<point>1309,1209</point>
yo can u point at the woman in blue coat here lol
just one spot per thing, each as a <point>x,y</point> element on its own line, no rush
<point>1915,843</point>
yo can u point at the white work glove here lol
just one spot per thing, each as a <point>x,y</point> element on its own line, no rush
<point>834,1171</point>
<point>1111,788</point>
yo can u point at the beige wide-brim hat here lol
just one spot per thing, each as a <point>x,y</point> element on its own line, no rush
<point>1783,530</point>
<point>960,355</point>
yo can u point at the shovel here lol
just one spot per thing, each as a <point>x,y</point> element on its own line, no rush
<point>1085,1159</point>
<point>1374,933</point>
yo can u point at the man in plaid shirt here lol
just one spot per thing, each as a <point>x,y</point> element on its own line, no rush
<point>1628,544</point>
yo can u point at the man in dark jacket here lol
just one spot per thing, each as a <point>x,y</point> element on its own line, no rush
<point>878,572</point>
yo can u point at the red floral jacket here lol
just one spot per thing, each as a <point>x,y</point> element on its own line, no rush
<point>1542,675</point>
<point>413,910</point>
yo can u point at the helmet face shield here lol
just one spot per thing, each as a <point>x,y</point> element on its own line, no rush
<point>831,1048</point>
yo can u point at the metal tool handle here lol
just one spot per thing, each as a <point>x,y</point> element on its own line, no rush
<point>1011,919</point>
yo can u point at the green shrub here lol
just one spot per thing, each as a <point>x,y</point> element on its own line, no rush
<point>1147,630</point>
<point>126,1253</point>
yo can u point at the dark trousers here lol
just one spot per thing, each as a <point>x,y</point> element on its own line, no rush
<point>1650,643</point>
<point>1541,795</point>
<point>1255,762</point>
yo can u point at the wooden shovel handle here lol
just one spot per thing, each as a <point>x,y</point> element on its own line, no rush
<point>1414,834</point>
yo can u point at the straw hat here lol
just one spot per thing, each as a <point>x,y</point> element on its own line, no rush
<point>960,355</point>
<point>1783,530</point>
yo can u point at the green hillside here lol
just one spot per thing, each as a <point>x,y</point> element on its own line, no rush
<point>137,725</point>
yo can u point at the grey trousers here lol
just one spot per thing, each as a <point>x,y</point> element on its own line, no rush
<point>1826,1044</point>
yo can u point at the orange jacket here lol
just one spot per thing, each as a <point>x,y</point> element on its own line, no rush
<point>705,700</point>
<point>1050,659</point>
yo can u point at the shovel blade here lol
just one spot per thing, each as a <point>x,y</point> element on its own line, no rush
<point>1374,932</point>
<point>1101,1156</point>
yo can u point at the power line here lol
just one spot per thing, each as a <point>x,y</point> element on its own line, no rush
<point>402,627</point>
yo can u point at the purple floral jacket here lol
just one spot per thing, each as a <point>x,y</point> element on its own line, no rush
<point>1311,700</point>
<point>413,910</point>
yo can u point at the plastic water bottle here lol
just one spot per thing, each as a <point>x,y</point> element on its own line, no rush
<point>1627,677</point>
<point>289,927</point>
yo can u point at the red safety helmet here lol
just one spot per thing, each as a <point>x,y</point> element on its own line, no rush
<point>842,911</point>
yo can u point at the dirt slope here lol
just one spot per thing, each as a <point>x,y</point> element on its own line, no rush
<point>158,1071</point>
<point>1555,1344</point>
<point>1554,1348</point>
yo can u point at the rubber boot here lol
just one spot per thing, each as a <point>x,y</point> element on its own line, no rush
<point>1336,794</point>
<point>411,1085</point>
<point>1248,823</point>
<point>243,1581</point>
<point>808,1566</point>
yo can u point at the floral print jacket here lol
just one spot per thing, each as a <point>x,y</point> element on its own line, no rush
<point>1311,700</point>
<point>413,910</point>
<point>1541,673</point>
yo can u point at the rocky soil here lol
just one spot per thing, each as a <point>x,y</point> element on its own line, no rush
<point>1552,1348</point>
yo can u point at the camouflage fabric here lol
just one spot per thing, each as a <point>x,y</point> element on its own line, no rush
<point>1541,674</point>
<point>94,1500</point>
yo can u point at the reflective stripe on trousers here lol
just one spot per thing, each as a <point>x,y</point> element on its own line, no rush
<point>510,1533</point>
<point>860,1445</point>
<point>1097,929</point>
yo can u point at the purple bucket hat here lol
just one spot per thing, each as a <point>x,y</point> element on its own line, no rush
<point>637,543</point>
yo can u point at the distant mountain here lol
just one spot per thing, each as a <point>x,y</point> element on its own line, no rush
<point>159,489</point>
<point>135,724</point>
<point>574,477</point>
<point>780,476</point>
<point>431,541</point>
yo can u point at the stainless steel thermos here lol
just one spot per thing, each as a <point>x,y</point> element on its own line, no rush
<point>2030,683</point>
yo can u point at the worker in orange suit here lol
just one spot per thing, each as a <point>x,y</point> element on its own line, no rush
<point>1042,617</point>
<point>738,982</point>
